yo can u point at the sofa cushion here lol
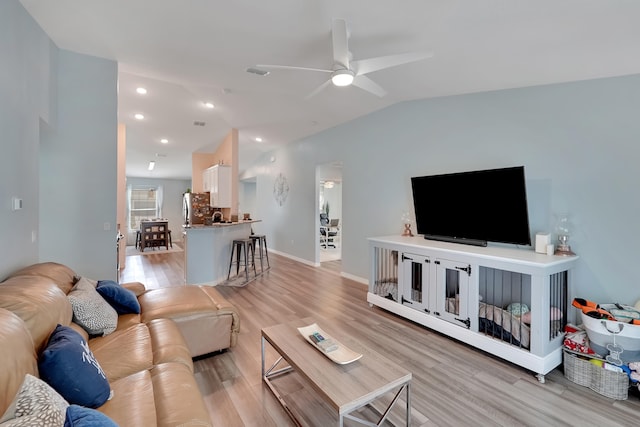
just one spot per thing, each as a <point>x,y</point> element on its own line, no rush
<point>70,368</point>
<point>90,310</point>
<point>123,352</point>
<point>60,274</point>
<point>178,399</point>
<point>79,416</point>
<point>133,403</point>
<point>206,320</point>
<point>121,299</point>
<point>125,321</point>
<point>168,343</point>
<point>39,302</point>
<point>36,404</point>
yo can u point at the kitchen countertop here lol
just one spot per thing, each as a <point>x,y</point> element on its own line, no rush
<point>219,224</point>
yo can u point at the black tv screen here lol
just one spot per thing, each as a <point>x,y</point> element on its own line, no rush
<point>473,207</point>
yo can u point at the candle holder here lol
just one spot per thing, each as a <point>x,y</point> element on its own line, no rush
<point>406,219</point>
<point>563,229</point>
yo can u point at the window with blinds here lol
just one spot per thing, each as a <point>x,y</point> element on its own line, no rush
<point>143,204</point>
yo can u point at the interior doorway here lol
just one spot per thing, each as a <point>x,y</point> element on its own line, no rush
<point>331,224</point>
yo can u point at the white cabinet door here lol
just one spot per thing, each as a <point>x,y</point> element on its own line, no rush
<point>414,281</point>
<point>220,186</point>
<point>206,180</point>
<point>452,290</point>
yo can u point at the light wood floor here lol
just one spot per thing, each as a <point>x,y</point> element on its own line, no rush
<point>453,384</point>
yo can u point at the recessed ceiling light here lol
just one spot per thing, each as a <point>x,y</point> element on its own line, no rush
<point>258,139</point>
<point>208,104</point>
<point>139,116</point>
<point>152,165</point>
<point>164,140</point>
<point>141,91</point>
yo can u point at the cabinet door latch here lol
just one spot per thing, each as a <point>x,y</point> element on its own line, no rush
<point>406,257</point>
<point>467,322</point>
<point>466,269</point>
<point>405,301</point>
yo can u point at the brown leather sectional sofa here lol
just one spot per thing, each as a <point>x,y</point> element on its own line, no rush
<point>147,359</point>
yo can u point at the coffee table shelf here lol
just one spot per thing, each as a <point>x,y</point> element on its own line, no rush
<point>345,389</point>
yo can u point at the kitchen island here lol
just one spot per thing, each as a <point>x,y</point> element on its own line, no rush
<point>207,249</point>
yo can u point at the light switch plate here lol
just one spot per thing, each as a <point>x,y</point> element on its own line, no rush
<point>16,203</point>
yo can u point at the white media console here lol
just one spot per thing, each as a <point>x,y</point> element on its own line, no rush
<point>512,303</point>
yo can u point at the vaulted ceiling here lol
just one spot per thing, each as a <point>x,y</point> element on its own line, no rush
<point>189,52</point>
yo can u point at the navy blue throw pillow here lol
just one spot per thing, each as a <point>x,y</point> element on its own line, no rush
<point>67,365</point>
<point>79,416</point>
<point>121,299</point>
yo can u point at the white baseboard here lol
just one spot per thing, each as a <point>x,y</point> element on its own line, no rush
<point>286,255</point>
<point>355,278</point>
<point>317,264</point>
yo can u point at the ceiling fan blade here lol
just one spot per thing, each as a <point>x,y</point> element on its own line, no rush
<point>289,67</point>
<point>365,66</point>
<point>365,83</point>
<point>318,89</point>
<point>340,43</point>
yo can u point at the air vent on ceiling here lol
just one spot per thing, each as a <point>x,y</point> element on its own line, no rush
<point>197,123</point>
<point>257,71</point>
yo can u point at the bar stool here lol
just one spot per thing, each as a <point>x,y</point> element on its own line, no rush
<point>261,240</point>
<point>242,247</point>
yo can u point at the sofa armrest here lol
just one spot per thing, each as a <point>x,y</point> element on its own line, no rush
<point>136,287</point>
<point>225,307</point>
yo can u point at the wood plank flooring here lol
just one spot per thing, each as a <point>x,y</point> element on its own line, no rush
<point>453,384</point>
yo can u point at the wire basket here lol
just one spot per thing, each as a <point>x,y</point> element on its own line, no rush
<point>614,385</point>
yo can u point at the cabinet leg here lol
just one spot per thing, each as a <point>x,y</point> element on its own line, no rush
<point>540,378</point>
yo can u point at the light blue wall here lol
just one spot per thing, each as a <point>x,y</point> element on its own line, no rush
<point>247,197</point>
<point>577,141</point>
<point>58,113</point>
<point>172,189</point>
<point>78,168</point>
<point>27,68</point>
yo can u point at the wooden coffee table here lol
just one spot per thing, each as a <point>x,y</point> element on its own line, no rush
<point>345,388</point>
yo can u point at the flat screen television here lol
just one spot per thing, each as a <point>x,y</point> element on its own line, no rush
<point>473,207</point>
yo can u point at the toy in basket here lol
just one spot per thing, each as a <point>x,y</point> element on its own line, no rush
<point>613,330</point>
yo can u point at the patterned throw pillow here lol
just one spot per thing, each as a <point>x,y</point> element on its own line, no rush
<point>35,405</point>
<point>90,310</point>
<point>68,365</point>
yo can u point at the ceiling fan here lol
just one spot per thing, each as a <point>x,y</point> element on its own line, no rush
<point>346,72</point>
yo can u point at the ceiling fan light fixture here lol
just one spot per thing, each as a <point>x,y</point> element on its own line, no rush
<point>342,77</point>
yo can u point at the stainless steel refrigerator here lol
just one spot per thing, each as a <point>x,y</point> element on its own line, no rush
<point>195,208</point>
